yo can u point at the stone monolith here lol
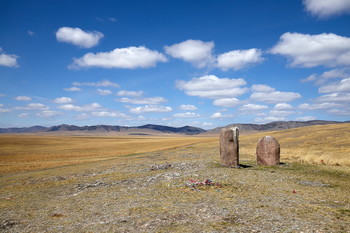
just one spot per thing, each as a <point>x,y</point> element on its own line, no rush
<point>229,147</point>
<point>268,151</point>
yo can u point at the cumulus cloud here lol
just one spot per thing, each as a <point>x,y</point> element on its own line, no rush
<point>283,106</point>
<point>48,114</point>
<point>226,102</point>
<point>104,92</point>
<point>239,59</point>
<point>210,86</point>
<point>72,89</point>
<point>188,107</point>
<point>262,88</point>
<point>305,118</point>
<point>269,119</point>
<point>124,58</point>
<point>84,108</point>
<point>2,109</point>
<point>306,50</point>
<point>197,52</point>
<point>102,83</point>
<point>63,100</point>
<point>130,93</point>
<point>78,37</point>
<point>9,60</point>
<point>267,94</point>
<point>23,98</point>
<point>328,75</point>
<point>280,113</point>
<point>150,109</point>
<point>327,8</point>
<point>334,98</point>
<point>186,115</point>
<point>33,106</point>
<point>336,87</point>
<point>252,108</point>
<point>146,101</point>
<point>319,106</point>
<point>108,114</point>
<point>219,115</point>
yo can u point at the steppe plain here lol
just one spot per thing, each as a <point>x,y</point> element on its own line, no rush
<point>61,183</point>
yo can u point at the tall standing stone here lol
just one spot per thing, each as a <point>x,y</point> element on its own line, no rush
<point>268,151</point>
<point>229,147</point>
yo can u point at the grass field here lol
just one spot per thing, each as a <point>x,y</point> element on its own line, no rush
<point>32,152</point>
<point>140,184</point>
<point>329,144</point>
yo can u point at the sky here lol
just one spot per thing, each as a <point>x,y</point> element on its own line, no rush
<point>201,63</point>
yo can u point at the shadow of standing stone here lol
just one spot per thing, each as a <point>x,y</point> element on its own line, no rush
<point>229,147</point>
<point>268,151</point>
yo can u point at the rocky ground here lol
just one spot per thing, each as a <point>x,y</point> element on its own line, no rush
<point>177,190</point>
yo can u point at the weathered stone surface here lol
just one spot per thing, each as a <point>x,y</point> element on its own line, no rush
<point>268,151</point>
<point>229,147</point>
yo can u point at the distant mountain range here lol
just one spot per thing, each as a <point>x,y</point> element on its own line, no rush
<point>274,126</point>
<point>144,129</point>
<point>149,129</point>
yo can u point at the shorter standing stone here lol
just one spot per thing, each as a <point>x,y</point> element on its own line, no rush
<point>229,147</point>
<point>268,151</point>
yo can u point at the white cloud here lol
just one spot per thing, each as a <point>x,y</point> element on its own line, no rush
<point>23,98</point>
<point>327,75</point>
<point>104,92</point>
<point>280,113</point>
<point>150,109</point>
<point>147,101</point>
<point>197,52</point>
<point>2,110</point>
<point>22,115</point>
<point>125,58</point>
<point>188,107</point>
<point>340,112</point>
<point>320,106</point>
<point>102,83</point>
<point>33,106</point>
<point>269,119</point>
<point>305,118</point>
<point>262,88</point>
<point>186,115</point>
<point>341,86</point>
<point>63,100</point>
<point>9,60</point>
<point>334,98</point>
<point>2,95</point>
<point>283,106</point>
<point>72,89</point>
<point>130,93</point>
<point>76,36</point>
<point>274,96</point>
<point>108,114</point>
<point>239,59</point>
<point>48,114</point>
<point>252,108</point>
<point>226,102</point>
<point>210,86</point>
<point>306,50</point>
<point>84,108</point>
<point>219,115</point>
<point>327,8</point>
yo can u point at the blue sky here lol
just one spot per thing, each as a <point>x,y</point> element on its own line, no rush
<point>203,63</point>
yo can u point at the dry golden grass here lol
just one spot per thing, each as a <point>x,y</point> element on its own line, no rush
<point>32,152</point>
<point>327,144</point>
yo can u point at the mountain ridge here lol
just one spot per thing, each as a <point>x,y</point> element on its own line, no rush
<point>187,130</point>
